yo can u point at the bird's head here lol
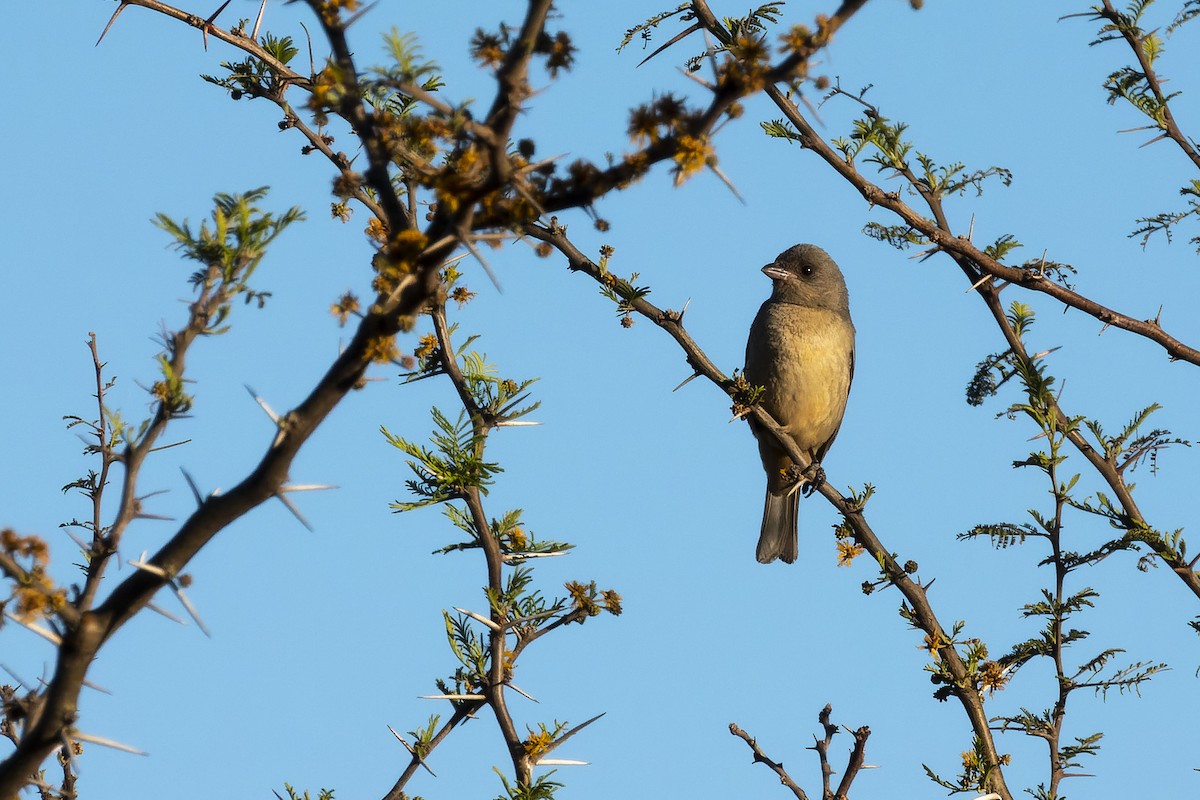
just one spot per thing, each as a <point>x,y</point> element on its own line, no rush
<point>805,275</point>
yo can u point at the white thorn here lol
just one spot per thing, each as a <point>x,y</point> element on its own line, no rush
<point>100,740</point>
<point>478,618</point>
<point>283,498</point>
<point>686,381</point>
<point>514,556</point>
<point>412,750</point>
<point>542,615</point>
<point>451,697</point>
<point>187,604</point>
<point>261,10</point>
<point>152,569</point>
<point>978,283</point>
<point>263,403</point>
<point>48,635</point>
<point>166,613</point>
<point>521,692</point>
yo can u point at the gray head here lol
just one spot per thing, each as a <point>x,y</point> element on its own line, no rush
<point>805,275</point>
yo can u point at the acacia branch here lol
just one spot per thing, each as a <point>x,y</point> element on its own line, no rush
<point>913,592</point>
<point>462,711</point>
<point>238,40</point>
<point>1169,126</point>
<point>95,627</point>
<point>989,292</point>
<point>963,248</point>
<point>498,659</point>
<point>761,758</point>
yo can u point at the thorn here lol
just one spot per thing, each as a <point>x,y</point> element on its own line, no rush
<point>100,740</point>
<point>14,676</point>
<point>687,380</point>
<point>451,697</point>
<point>516,423</point>
<point>79,542</point>
<point>697,79</point>
<point>483,262</point>
<point>478,618</point>
<point>1035,438</point>
<point>263,403</point>
<point>523,556</point>
<point>576,729</point>
<point>560,762</point>
<point>111,20</point>
<point>168,447</point>
<point>151,568</point>
<point>306,487</point>
<point>261,10</point>
<point>283,498</point>
<point>208,23</point>
<point>724,179</point>
<point>971,228</point>
<point>49,636</point>
<point>685,32</point>
<point>1152,141</point>
<point>924,254</point>
<point>978,283</point>
<point>187,604</point>
<point>144,515</point>
<point>540,615</point>
<point>97,687</point>
<point>1158,317</point>
<point>192,484</point>
<point>356,17</point>
<point>1044,353</point>
<point>1102,330</point>
<point>412,750</point>
<point>165,613</point>
<point>521,692</point>
<point>812,110</point>
<point>539,164</point>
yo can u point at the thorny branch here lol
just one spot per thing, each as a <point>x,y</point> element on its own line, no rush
<point>914,593</point>
<point>976,266</point>
<point>855,764</point>
<point>975,262</point>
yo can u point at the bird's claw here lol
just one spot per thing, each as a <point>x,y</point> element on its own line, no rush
<point>815,475</point>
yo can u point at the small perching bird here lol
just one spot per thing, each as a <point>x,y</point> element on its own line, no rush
<point>801,351</point>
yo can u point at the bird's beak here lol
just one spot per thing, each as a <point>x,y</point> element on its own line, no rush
<point>775,272</point>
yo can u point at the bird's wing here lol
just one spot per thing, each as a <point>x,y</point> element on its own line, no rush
<point>824,448</point>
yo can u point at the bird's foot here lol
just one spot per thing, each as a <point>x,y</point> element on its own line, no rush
<point>814,474</point>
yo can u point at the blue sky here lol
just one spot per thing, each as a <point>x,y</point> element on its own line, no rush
<point>320,640</point>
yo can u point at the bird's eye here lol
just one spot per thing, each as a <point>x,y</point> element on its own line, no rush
<point>806,271</point>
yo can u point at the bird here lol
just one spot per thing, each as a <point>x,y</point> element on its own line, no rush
<point>801,351</point>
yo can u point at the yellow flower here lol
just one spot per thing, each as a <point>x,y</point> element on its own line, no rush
<point>346,305</point>
<point>426,347</point>
<point>382,349</point>
<point>847,552</point>
<point>691,155</point>
<point>538,743</point>
<point>377,230</point>
<point>991,676</point>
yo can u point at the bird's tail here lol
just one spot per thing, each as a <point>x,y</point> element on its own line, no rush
<point>778,536</point>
